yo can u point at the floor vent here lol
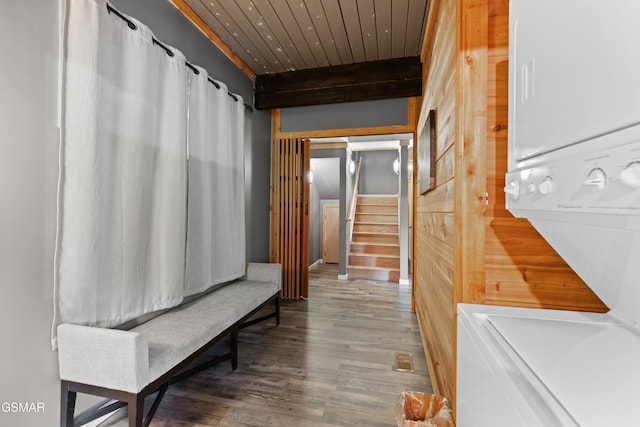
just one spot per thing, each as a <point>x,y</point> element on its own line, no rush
<point>404,362</point>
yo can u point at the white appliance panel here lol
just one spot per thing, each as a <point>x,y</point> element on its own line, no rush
<point>599,176</point>
<point>569,82</point>
<point>591,368</point>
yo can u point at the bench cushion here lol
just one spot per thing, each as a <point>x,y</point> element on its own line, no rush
<point>178,333</point>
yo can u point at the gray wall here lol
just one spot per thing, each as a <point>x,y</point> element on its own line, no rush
<point>315,225</point>
<point>28,172</point>
<point>385,112</point>
<point>28,179</point>
<point>376,172</point>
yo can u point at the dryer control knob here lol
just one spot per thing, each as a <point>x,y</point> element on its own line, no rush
<point>512,189</point>
<point>547,186</point>
<point>596,179</point>
<point>630,175</point>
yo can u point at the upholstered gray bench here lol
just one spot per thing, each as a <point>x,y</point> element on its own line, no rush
<point>125,366</point>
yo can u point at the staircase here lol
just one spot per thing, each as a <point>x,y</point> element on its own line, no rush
<point>375,248</point>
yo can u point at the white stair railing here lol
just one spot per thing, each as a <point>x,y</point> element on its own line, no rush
<point>354,202</point>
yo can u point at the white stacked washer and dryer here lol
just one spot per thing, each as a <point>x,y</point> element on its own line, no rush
<point>574,173</point>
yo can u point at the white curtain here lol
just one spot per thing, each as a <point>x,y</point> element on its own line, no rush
<point>216,224</point>
<point>122,195</point>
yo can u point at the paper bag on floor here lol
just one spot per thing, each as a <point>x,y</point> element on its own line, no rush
<point>415,409</point>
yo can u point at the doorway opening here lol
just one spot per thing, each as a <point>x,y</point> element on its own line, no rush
<point>361,176</point>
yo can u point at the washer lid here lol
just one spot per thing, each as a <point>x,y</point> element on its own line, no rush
<point>582,365</point>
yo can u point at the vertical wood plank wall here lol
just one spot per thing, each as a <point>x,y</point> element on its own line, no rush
<point>518,267</point>
<point>433,267</point>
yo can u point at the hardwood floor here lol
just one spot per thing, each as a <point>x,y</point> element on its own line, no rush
<point>329,363</point>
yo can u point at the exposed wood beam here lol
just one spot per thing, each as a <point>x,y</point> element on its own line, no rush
<point>364,81</point>
<point>187,11</point>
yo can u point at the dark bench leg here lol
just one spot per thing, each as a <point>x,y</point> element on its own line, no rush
<point>136,410</point>
<point>277,311</point>
<point>67,405</point>
<point>234,349</point>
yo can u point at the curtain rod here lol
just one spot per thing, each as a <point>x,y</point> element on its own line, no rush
<point>133,26</point>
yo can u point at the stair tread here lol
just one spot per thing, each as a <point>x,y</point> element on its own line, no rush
<point>393,202</point>
<point>375,243</point>
<point>374,255</point>
<point>381,222</point>
<point>384,233</point>
<point>365,267</point>
<point>374,223</point>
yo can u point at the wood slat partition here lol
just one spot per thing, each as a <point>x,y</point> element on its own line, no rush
<point>290,214</point>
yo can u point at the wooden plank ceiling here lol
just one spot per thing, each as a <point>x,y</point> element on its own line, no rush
<point>276,36</point>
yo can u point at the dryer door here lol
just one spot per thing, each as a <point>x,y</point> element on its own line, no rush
<point>573,77</point>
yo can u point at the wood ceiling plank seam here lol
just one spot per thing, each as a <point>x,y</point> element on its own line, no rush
<point>349,10</point>
<point>219,18</point>
<point>292,27</point>
<point>399,19</point>
<point>415,26</point>
<point>264,31</point>
<point>367,14</point>
<point>301,15</point>
<point>244,30</point>
<point>319,20</point>
<point>382,10</point>
<point>218,28</point>
<point>272,20</point>
<point>338,30</point>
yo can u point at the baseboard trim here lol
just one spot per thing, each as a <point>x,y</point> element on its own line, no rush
<point>318,262</point>
<point>404,282</point>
